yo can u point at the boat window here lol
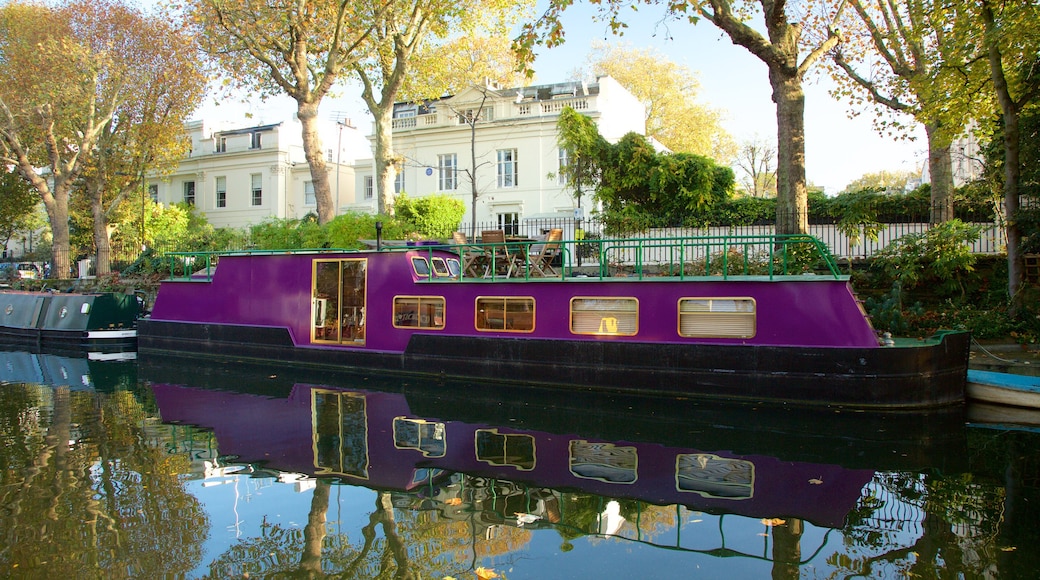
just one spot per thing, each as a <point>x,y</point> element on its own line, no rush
<point>603,461</point>
<point>340,433</point>
<point>421,266</point>
<point>421,435</point>
<point>338,290</point>
<point>505,313</point>
<point>454,267</point>
<point>717,317</point>
<point>418,312</point>
<point>497,448</point>
<point>440,268</point>
<point>604,316</point>
<point>713,476</point>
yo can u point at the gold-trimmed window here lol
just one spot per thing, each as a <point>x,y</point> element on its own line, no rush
<point>513,449</point>
<point>440,267</point>
<point>717,317</point>
<point>421,267</point>
<point>421,435</point>
<point>603,461</point>
<point>419,312</point>
<point>604,316</point>
<point>505,313</point>
<point>713,476</point>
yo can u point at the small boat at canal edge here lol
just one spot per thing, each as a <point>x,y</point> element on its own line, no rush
<point>69,320</point>
<point>1004,388</point>
<point>731,318</point>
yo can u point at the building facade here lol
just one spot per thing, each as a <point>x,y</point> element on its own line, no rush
<point>239,177</point>
<point>502,143</point>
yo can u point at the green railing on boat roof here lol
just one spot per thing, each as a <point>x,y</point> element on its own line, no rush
<point>683,257</point>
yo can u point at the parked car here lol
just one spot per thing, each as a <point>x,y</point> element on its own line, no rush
<point>23,270</point>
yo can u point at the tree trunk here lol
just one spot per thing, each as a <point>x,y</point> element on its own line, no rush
<point>787,549</point>
<point>1012,164</point>
<point>940,174</point>
<point>385,159</point>
<point>792,205</point>
<point>58,215</point>
<point>307,113</point>
<point>100,222</point>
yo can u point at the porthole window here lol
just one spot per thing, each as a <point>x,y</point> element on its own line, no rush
<point>421,266</point>
<point>440,268</point>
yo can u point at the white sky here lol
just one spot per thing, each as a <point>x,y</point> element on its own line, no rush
<point>838,149</point>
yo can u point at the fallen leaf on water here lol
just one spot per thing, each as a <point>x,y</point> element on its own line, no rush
<point>453,501</point>
<point>773,522</point>
<point>1009,548</point>
<point>816,481</point>
<point>485,573</point>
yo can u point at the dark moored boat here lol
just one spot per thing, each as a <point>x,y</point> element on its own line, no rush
<point>725,318</point>
<point>71,320</point>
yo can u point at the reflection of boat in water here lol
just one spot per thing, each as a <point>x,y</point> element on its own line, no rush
<point>409,438</point>
<point>99,371</point>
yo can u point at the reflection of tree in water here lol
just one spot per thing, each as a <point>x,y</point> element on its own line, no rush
<point>921,525</point>
<point>88,492</point>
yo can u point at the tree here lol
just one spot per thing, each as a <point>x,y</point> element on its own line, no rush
<point>668,91</point>
<point>298,48</point>
<point>1010,44</point>
<point>397,40</point>
<point>18,203</point>
<point>891,52</point>
<point>60,84</point>
<point>779,49</point>
<point>757,160</point>
<point>147,130</point>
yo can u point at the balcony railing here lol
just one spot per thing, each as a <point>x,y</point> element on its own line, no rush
<point>513,110</point>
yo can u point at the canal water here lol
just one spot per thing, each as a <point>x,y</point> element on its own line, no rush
<point>166,467</point>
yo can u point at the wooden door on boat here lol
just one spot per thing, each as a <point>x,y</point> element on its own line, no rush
<point>338,294</point>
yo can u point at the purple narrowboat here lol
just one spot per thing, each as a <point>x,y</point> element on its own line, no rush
<point>743,319</point>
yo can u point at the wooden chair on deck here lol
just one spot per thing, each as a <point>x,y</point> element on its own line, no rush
<point>474,262</point>
<point>545,254</point>
<point>500,259</point>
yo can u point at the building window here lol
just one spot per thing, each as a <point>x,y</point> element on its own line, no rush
<point>418,312</point>
<point>258,189</point>
<point>509,222</point>
<point>189,192</point>
<point>153,192</point>
<point>221,144</point>
<point>604,316</point>
<point>222,192</point>
<point>564,162</point>
<point>447,168</point>
<point>468,116</point>
<point>399,182</point>
<point>254,141</point>
<point>369,186</point>
<point>308,193</point>
<point>507,168</point>
<point>501,313</point>
<point>717,317</point>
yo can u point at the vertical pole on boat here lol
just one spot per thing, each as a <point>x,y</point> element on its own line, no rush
<point>379,236</point>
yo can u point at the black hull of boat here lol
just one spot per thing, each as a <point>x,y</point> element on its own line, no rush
<point>64,341</point>
<point>929,375</point>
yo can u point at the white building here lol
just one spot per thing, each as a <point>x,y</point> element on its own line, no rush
<point>515,155</point>
<point>238,177</point>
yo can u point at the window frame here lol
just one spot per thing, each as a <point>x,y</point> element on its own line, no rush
<point>735,314</point>
<point>477,302</point>
<point>256,186</point>
<point>220,189</point>
<point>189,186</point>
<point>601,330</point>
<point>507,168</point>
<point>421,301</point>
<point>447,172</point>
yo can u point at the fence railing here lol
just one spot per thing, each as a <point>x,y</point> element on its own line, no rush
<point>840,244</point>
